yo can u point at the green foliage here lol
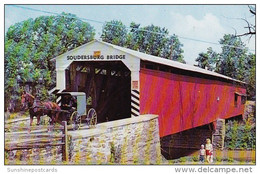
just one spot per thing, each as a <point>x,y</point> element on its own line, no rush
<point>218,159</point>
<point>251,75</point>
<point>183,159</point>
<point>144,39</point>
<point>207,60</point>
<point>232,135</point>
<point>233,61</point>
<point>230,160</point>
<point>31,44</point>
<point>114,32</point>
<point>195,158</point>
<point>6,155</point>
<point>240,135</point>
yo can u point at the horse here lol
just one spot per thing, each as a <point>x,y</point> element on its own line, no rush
<point>38,109</point>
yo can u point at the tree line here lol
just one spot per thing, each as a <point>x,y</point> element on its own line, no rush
<point>151,39</point>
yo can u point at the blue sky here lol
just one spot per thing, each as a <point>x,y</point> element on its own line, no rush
<point>204,22</point>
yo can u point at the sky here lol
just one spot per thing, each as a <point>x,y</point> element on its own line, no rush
<point>190,22</point>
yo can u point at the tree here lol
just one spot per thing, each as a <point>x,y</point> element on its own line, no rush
<point>250,77</point>
<point>233,61</point>
<point>114,32</point>
<point>207,60</point>
<point>29,46</point>
<point>233,57</point>
<point>150,39</point>
<point>173,49</point>
<point>154,40</point>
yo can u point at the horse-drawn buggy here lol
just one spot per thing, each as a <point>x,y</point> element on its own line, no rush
<point>72,109</point>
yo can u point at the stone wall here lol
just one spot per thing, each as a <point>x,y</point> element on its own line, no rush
<point>218,135</point>
<point>249,111</point>
<point>128,141</point>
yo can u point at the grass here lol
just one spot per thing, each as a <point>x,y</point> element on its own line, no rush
<point>218,159</point>
<point>195,158</point>
<point>230,160</point>
<point>16,115</point>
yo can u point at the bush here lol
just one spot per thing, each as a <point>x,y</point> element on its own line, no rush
<point>218,159</point>
<point>195,158</point>
<point>240,135</point>
<point>231,160</point>
<point>183,159</point>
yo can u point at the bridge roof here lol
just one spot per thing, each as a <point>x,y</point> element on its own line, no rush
<point>159,60</point>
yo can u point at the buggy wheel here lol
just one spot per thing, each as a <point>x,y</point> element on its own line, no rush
<point>92,118</point>
<point>75,120</point>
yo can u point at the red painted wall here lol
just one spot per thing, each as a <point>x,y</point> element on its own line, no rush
<point>184,102</point>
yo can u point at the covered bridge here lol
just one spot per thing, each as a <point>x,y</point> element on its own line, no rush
<point>121,83</point>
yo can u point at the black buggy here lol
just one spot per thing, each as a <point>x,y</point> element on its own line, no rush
<point>74,111</point>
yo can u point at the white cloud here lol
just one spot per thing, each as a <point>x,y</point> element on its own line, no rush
<point>208,28</point>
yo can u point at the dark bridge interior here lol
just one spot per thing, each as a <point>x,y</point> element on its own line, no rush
<point>185,143</point>
<point>107,85</point>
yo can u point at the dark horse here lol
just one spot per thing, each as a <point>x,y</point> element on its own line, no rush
<point>38,109</point>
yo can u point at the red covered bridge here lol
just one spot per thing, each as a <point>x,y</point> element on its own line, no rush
<point>184,101</point>
<point>121,83</point>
